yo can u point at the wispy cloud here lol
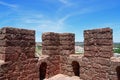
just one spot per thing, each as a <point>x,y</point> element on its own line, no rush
<point>33,18</point>
<point>53,25</point>
<point>8,4</point>
<point>43,23</point>
<point>66,2</point>
<point>79,7</point>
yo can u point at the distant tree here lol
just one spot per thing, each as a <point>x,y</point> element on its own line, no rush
<point>117,49</point>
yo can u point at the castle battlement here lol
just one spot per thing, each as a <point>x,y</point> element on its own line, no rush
<point>18,61</point>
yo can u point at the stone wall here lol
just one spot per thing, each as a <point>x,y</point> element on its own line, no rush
<point>67,42</point>
<point>17,54</point>
<point>18,61</point>
<point>98,46</point>
<point>58,47</point>
<point>97,63</point>
<point>50,46</point>
<point>114,73</point>
<point>74,65</point>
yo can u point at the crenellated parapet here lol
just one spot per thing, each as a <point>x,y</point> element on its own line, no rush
<point>18,61</point>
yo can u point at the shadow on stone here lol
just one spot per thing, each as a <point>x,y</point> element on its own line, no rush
<point>118,72</point>
<point>76,68</point>
<point>43,68</point>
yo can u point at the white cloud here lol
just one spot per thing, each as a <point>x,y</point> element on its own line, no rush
<point>34,18</point>
<point>63,19</point>
<point>64,1</point>
<point>44,23</point>
<point>8,5</point>
<point>79,7</point>
<point>51,25</point>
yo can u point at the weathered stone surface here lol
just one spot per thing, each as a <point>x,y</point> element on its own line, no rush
<point>98,46</point>
<point>17,56</point>
<point>63,77</point>
<point>17,48</point>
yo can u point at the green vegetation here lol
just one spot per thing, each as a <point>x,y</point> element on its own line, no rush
<point>117,50</point>
<point>116,47</point>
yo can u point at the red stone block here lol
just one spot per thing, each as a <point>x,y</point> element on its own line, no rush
<point>103,54</point>
<point>91,48</point>
<point>2,42</point>
<point>9,57</point>
<point>2,77</point>
<point>12,50</point>
<point>89,54</point>
<point>11,30</point>
<point>67,47</point>
<point>2,56</point>
<point>50,43</point>
<point>2,36</point>
<point>50,52</point>
<point>50,47</point>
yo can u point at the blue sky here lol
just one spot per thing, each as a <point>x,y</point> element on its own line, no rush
<point>72,16</point>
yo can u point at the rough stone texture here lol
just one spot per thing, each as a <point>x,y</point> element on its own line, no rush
<point>115,62</point>
<point>73,58</point>
<point>17,51</point>
<point>18,62</point>
<point>58,47</point>
<point>50,46</point>
<point>67,43</point>
<point>63,77</point>
<point>98,43</point>
<point>98,48</point>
